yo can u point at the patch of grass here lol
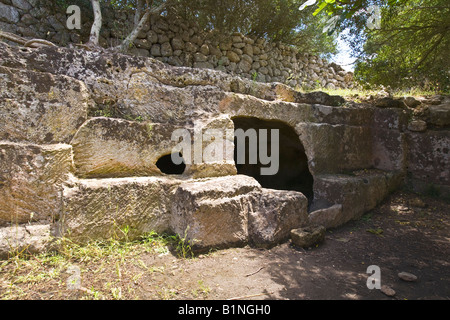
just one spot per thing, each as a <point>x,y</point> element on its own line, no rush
<point>107,268</point>
<point>359,94</point>
<point>201,290</point>
<point>377,231</point>
<point>367,217</point>
<point>183,246</point>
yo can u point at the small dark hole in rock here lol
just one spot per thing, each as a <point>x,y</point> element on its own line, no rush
<point>167,166</point>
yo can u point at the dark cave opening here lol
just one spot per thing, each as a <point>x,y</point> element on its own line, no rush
<point>293,171</point>
<point>166,165</point>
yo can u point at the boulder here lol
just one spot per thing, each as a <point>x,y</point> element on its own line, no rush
<point>411,102</point>
<point>308,237</point>
<point>388,102</point>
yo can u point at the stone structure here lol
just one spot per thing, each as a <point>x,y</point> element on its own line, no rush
<point>179,43</point>
<point>84,140</point>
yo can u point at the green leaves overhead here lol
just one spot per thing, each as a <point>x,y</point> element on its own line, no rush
<point>400,43</point>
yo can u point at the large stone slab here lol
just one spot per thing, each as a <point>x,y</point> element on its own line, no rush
<point>214,212</point>
<point>389,140</point>
<point>40,108</point>
<point>349,147</point>
<point>106,147</point>
<point>154,101</point>
<point>429,156</point>
<point>357,193</point>
<point>439,115</point>
<point>100,209</point>
<point>114,148</point>
<point>233,211</point>
<point>31,179</point>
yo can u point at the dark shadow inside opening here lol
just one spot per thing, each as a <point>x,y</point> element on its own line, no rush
<point>293,173</point>
<point>167,166</point>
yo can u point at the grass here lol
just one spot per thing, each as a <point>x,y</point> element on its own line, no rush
<point>358,93</point>
<point>106,270</point>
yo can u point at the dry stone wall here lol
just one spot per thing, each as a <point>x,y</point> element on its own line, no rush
<point>180,43</point>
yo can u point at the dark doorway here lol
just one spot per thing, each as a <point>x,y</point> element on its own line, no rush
<point>293,173</point>
<point>167,166</point>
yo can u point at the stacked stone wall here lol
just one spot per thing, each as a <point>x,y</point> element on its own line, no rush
<point>179,43</point>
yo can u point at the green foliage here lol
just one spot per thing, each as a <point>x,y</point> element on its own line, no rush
<point>279,20</point>
<point>411,48</point>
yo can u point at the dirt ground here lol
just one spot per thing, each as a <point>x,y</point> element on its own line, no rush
<point>407,233</point>
<point>397,237</point>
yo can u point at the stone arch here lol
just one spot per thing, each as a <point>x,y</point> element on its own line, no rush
<point>293,173</point>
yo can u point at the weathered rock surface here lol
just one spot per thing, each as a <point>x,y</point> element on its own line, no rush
<point>233,211</point>
<point>115,148</point>
<point>350,147</point>
<point>40,107</point>
<point>214,213</point>
<point>417,126</point>
<point>31,179</point>
<point>411,102</point>
<point>274,214</point>
<point>432,162</point>
<point>27,238</point>
<point>356,193</point>
<point>308,237</point>
<point>388,102</point>
<point>325,217</point>
<point>99,209</point>
<point>440,115</point>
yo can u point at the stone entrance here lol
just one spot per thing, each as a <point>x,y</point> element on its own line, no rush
<point>293,173</point>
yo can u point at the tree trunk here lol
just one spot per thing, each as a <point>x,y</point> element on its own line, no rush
<point>126,44</point>
<point>139,10</point>
<point>97,25</point>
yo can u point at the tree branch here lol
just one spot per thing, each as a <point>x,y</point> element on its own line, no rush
<point>33,43</point>
<point>433,47</point>
<point>125,46</point>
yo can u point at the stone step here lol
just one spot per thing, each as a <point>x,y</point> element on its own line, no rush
<point>353,194</point>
